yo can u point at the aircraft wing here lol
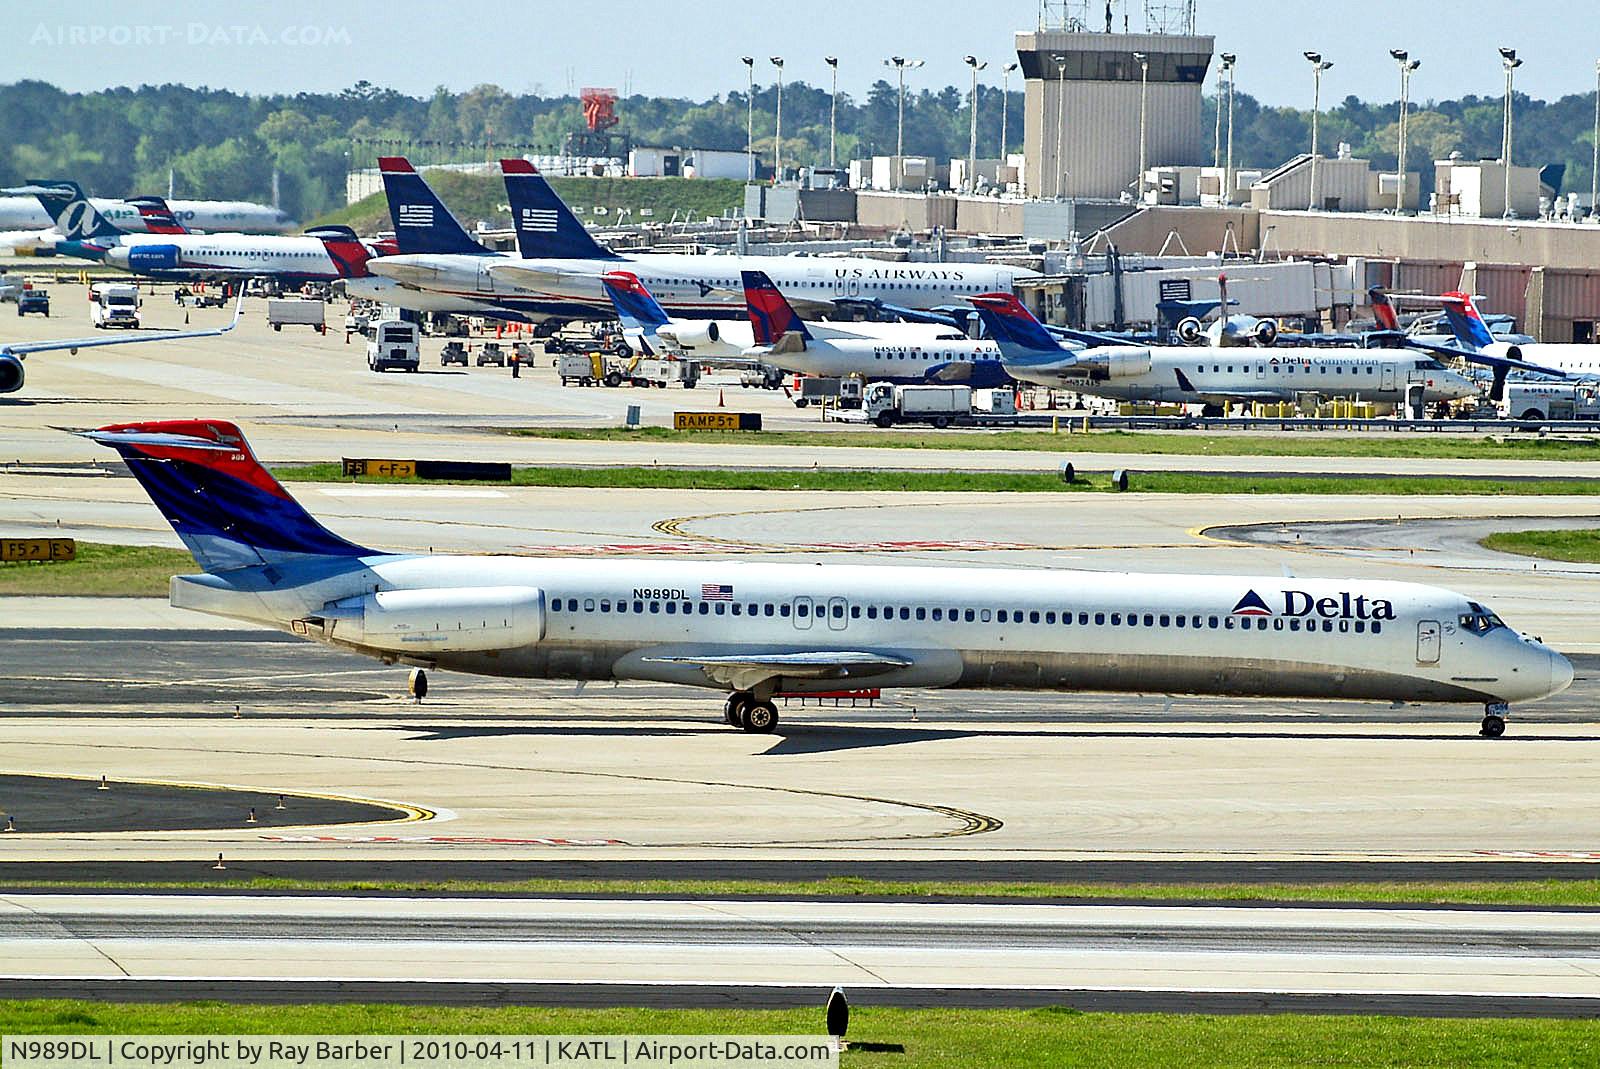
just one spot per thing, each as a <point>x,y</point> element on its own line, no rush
<point>540,273</point>
<point>22,349</point>
<point>1500,364</point>
<point>909,315</point>
<point>745,670</point>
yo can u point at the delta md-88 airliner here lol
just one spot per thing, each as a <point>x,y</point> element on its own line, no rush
<point>755,630</point>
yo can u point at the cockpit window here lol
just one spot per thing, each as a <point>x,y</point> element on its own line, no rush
<point>1479,620</point>
<point>1429,365</point>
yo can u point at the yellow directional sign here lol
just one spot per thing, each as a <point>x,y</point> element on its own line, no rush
<point>389,469</point>
<point>45,549</point>
<point>716,421</point>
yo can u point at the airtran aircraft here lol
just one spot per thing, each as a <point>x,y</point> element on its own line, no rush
<point>755,630</point>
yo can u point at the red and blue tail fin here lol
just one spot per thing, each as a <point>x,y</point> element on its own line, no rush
<point>546,227</point>
<point>771,315</point>
<point>157,215</point>
<point>1012,326</point>
<point>226,507</point>
<point>422,224</point>
<point>1382,309</point>
<point>1465,322</point>
<point>347,251</point>
<point>636,308</point>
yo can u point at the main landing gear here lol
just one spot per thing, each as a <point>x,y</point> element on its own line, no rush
<point>1494,720</point>
<point>743,711</point>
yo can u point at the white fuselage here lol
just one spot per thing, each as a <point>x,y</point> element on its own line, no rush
<point>26,213</point>
<point>695,287</point>
<point>1194,375</point>
<point>886,358</point>
<point>242,255</point>
<point>940,627</point>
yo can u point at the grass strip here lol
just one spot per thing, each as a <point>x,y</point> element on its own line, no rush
<point>1580,546</point>
<point>100,570</point>
<point>879,481</point>
<point>1551,893</point>
<point>905,1038</point>
<point>1300,444</point>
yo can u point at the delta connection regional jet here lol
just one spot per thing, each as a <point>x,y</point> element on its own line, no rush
<point>755,630</point>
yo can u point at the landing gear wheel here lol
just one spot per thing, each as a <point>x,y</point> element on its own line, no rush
<point>417,685</point>
<point>760,718</point>
<point>1493,726</point>
<point>733,709</point>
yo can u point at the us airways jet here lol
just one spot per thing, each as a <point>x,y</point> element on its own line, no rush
<point>181,256</point>
<point>557,275</point>
<point>1212,377</point>
<point>753,630</point>
<point>882,352</point>
<point>12,354</point>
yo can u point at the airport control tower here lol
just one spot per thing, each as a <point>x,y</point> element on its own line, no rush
<point>1081,132</point>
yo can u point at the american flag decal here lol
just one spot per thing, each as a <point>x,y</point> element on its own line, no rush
<point>416,215</point>
<point>716,592</point>
<point>539,220</point>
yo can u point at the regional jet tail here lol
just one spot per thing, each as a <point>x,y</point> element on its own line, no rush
<point>756,629</point>
<point>157,216</point>
<point>84,231</point>
<point>546,228</point>
<point>13,354</point>
<point>422,224</point>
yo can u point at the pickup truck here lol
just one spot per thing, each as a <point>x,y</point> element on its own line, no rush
<point>32,300</point>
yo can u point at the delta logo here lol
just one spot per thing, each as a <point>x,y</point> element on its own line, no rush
<point>1300,603</point>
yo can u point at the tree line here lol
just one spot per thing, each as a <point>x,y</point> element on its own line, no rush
<point>220,144</point>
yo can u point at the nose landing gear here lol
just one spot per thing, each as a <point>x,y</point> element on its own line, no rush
<point>1494,720</point>
<point>742,710</point>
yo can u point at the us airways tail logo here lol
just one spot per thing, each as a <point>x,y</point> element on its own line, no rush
<point>416,215</point>
<point>1251,605</point>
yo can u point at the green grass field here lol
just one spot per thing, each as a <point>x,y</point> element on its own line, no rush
<point>1424,446</point>
<point>916,1039</point>
<point>1553,894</point>
<point>880,481</point>
<point>100,571</point>
<point>1580,546</point>
<point>471,197</point>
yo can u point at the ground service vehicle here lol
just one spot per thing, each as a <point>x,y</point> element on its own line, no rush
<point>820,389</point>
<point>114,304</point>
<point>394,344</point>
<point>32,300</point>
<point>491,353</point>
<point>587,369</point>
<point>1551,400</point>
<point>887,403</point>
<point>298,312</point>
<point>454,353</point>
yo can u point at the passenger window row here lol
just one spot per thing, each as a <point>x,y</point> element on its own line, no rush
<point>941,614</point>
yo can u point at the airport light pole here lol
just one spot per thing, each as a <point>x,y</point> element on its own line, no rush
<point>1508,60</point>
<point>901,64</point>
<point>1594,171</point>
<point>1061,117</point>
<point>833,110</point>
<point>1005,107</point>
<point>972,144</point>
<point>1408,67</point>
<point>750,116</point>
<point>777,130</point>
<point>1143,59</point>
<point>1229,61</point>
<point>1317,67</point>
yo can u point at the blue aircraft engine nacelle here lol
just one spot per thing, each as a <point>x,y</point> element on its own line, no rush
<point>152,258</point>
<point>11,374</point>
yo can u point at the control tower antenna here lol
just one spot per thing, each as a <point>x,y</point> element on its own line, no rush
<point>1175,17</point>
<point>1073,16</point>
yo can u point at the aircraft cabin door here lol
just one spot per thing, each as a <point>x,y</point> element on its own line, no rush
<point>1388,377</point>
<point>802,612</point>
<point>838,614</point>
<point>1428,642</point>
<point>485,279</point>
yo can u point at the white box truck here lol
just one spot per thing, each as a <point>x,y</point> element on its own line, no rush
<point>1550,400</point>
<point>296,312</point>
<point>887,403</point>
<point>114,304</point>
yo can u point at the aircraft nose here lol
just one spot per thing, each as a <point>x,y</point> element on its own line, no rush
<point>1560,672</point>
